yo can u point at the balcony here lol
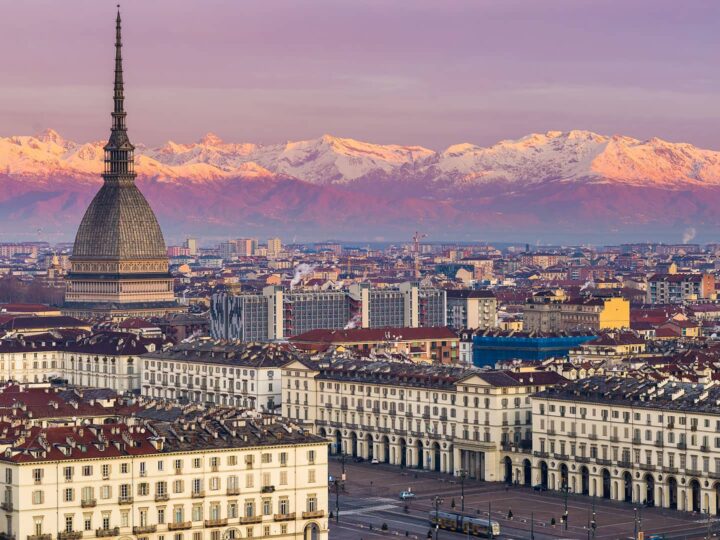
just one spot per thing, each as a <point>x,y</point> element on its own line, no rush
<point>115,531</point>
<point>233,491</point>
<point>541,454</point>
<point>601,461</point>
<point>572,434</point>
<point>245,520</point>
<point>198,494</point>
<point>88,503</point>
<point>214,468</point>
<point>636,440</point>
<point>70,535</point>
<point>624,464</point>
<point>582,459</point>
<point>7,506</point>
<point>704,448</point>
<point>144,529</point>
<point>658,443</point>
<point>162,497</point>
<point>682,446</point>
<point>692,472</point>
<point>561,457</point>
<point>670,469</point>
<point>592,436</point>
<point>178,471</point>
<point>267,489</point>
<point>179,525</point>
<point>284,517</point>
<point>614,438</point>
<point>39,537</point>
<point>125,500</point>
<point>313,514</point>
<point>647,467</point>
<point>550,432</point>
<point>220,522</point>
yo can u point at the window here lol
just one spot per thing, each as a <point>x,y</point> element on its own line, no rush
<point>87,470</point>
<point>311,476</point>
<point>68,495</point>
<point>311,456</point>
<point>311,503</point>
<point>249,509</point>
<point>266,507</point>
<point>283,459</point>
<point>37,475</point>
<point>68,474</point>
<point>283,507</point>
<point>68,523</point>
<point>38,497</point>
<point>105,469</point>
<point>196,463</point>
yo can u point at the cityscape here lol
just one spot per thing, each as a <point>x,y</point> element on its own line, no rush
<point>331,339</point>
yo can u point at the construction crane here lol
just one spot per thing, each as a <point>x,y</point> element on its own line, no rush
<point>416,251</point>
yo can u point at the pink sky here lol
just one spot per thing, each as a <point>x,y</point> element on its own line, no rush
<point>430,72</point>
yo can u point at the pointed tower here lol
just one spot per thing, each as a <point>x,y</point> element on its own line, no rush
<point>119,265</point>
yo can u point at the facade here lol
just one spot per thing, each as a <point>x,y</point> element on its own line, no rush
<point>629,440</point>
<point>550,314</point>
<point>243,375</point>
<point>437,345</point>
<point>119,265</point>
<point>107,360</point>
<point>676,288</point>
<point>280,314</point>
<point>473,309</point>
<point>490,347</point>
<point>447,419</point>
<point>226,477</point>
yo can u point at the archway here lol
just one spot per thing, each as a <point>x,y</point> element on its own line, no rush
<point>370,447</point>
<point>436,456</point>
<point>563,476</point>
<point>627,481</point>
<point>584,481</point>
<point>695,495</point>
<point>543,475</point>
<point>507,470</point>
<point>672,493</point>
<point>312,532</point>
<point>386,449</point>
<point>527,472</point>
<point>403,452</point>
<point>338,442</point>
<point>605,484</point>
<point>649,490</point>
<point>353,444</point>
<point>419,454</point>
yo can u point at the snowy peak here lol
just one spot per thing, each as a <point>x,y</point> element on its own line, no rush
<point>567,156</point>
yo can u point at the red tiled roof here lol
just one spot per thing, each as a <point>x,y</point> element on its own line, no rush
<point>361,335</point>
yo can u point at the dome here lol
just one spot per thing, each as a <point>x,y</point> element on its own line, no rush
<point>119,224</point>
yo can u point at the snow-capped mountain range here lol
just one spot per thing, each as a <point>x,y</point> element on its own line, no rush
<point>554,183</point>
<point>556,155</point>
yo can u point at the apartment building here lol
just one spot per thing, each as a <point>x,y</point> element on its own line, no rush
<point>679,288</point>
<point>441,418</point>
<point>550,312</point>
<point>234,374</point>
<point>210,478</point>
<point>279,314</point>
<point>642,442</point>
<point>474,309</point>
<point>108,360</point>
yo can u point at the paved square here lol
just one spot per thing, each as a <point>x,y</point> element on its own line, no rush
<point>371,499</point>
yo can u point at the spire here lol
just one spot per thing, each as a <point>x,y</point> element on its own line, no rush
<point>118,150</point>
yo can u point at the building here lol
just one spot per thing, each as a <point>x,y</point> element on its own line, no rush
<point>437,344</point>
<point>441,418</point>
<point>677,288</point>
<point>488,348</point>
<point>220,475</point>
<point>102,360</point>
<point>471,308</point>
<point>243,375</point>
<point>644,442</point>
<point>29,326</point>
<point>280,314</point>
<point>119,264</point>
<point>556,313</point>
<point>274,247</point>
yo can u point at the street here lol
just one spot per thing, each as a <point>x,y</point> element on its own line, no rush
<point>370,503</point>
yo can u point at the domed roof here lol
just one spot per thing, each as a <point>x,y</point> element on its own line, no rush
<point>119,224</point>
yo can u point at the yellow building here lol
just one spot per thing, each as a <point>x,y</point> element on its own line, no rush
<point>545,313</point>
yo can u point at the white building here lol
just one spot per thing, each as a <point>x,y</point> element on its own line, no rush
<point>221,477</point>
<point>629,440</point>
<point>447,419</point>
<point>239,374</point>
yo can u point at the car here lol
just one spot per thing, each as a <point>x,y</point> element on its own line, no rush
<point>539,487</point>
<point>374,461</point>
<point>406,495</point>
<point>358,459</point>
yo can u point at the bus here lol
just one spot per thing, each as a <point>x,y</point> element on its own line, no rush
<point>475,526</point>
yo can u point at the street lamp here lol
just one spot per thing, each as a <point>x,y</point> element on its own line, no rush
<point>462,473</point>
<point>337,484</point>
<point>437,502</point>
<point>565,490</point>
